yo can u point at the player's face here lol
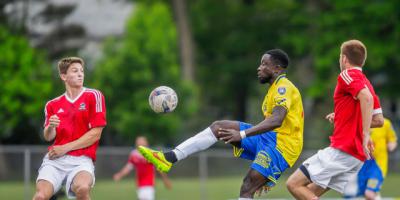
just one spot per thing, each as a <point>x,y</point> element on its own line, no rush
<point>74,76</point>
<point>141,141</point>
<point>265,70</point>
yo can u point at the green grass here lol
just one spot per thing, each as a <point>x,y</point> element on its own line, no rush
<point>216,188</point>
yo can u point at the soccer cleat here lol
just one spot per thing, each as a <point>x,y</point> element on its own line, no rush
<point>156,158</point>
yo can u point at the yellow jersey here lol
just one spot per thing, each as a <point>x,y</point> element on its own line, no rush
<point>381,137</point>
<point>290,134</point>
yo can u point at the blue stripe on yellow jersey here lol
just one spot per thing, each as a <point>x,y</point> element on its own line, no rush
<point>289,139</point>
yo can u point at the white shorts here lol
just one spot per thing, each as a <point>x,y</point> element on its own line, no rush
<point>332,168</point>
<point>145,193</point>
<point>63,170</point>
<point>351,189</point>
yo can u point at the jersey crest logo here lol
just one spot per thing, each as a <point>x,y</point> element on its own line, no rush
<point>82,106</point>
<point>60,110</point>
<point>281,90</point>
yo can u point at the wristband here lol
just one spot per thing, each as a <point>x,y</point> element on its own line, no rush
<point>242,134</point>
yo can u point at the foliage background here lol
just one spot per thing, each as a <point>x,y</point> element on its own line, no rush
<point>229,37</point>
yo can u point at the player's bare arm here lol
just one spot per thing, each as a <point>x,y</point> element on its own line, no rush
<point>123,172</point>
<point>50,130</point>
<point>268,124</point>
<point>86,140</point>
<point>366,104</point>
<point>377,119</point>
<point>166,181</point>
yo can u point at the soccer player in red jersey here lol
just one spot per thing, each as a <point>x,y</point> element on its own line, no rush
<point>75,121</point>
<point>355,104</point>
<point>145,172</point>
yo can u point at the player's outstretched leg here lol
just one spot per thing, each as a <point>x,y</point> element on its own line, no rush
<point>253,181</point>
<point>201,141</point>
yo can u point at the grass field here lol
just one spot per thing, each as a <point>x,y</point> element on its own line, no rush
<point>216,188</point>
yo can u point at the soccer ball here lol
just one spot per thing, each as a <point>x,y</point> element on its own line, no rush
<point>163,99</point>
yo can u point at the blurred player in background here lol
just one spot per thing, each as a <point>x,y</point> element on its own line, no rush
<point>273,145</point>
<point>75,121</point>
<point>145,172</point>
<point>355,104</point>
<point>370,178</point>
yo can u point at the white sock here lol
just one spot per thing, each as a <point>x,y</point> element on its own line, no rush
<point>199,142</point>
<point>245,199</point>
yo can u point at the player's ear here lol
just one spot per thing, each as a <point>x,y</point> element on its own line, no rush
<point>63,77</point>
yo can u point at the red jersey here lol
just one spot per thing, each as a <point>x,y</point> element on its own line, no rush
<point>77,116</point>
<point>145,171</point>
<point>348,132</point>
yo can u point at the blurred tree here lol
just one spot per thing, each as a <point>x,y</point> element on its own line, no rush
<point>231,36</point>
<point>230,42</point>
<point>26,82</point>
<point>317,30</point>
<point>326,24</point>
<point>63,37</point>
<point>145,58</point>
<point>186,47</point>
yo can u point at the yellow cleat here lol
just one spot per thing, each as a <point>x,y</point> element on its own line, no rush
<point>156,158</point>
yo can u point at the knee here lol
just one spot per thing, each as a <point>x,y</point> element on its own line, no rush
<point>217,125</point>
<point>82,190</point>
<point>370,195</point>
<point>39,195</point>
<point>291,185</point>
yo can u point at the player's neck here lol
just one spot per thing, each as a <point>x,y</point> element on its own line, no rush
<point>275,76</point>
<point>352,67</point>
<point>73,92</point>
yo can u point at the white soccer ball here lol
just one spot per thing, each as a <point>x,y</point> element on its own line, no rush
<point>163,99</point>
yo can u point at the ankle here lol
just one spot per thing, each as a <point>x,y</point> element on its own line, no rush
<point>170,156</point>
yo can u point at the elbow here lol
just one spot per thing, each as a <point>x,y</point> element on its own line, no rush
<point>369,99</point>
<point>97,134</point>
<point>96,137</point>
<point>277,124</point>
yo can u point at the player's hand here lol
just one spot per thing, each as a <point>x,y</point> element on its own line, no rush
<point>330,117</point>
<point>57,151</point>
<point>117,177</point>
<point>54,121</point>
<point>368,146</point>
<point>229,135</point>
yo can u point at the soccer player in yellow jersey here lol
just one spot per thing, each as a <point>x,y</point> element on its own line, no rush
<point>273,145</point>
<point>369,180</point>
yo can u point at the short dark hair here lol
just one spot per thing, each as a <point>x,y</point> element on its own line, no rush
<point>279,57</point>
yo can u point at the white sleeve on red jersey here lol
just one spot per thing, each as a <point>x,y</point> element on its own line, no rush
<point>352,82</point>
<point>48,112</point>
<point>97,109</point>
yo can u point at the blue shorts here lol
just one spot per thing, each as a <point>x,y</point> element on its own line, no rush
<point>369,177</point>
<point>260,148</point>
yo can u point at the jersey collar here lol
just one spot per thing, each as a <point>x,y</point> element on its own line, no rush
<point>358,68</point>
<point>73,100</point>
<point>279,78</point>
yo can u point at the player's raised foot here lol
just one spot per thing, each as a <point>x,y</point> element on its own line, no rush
<point>156,158</point>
